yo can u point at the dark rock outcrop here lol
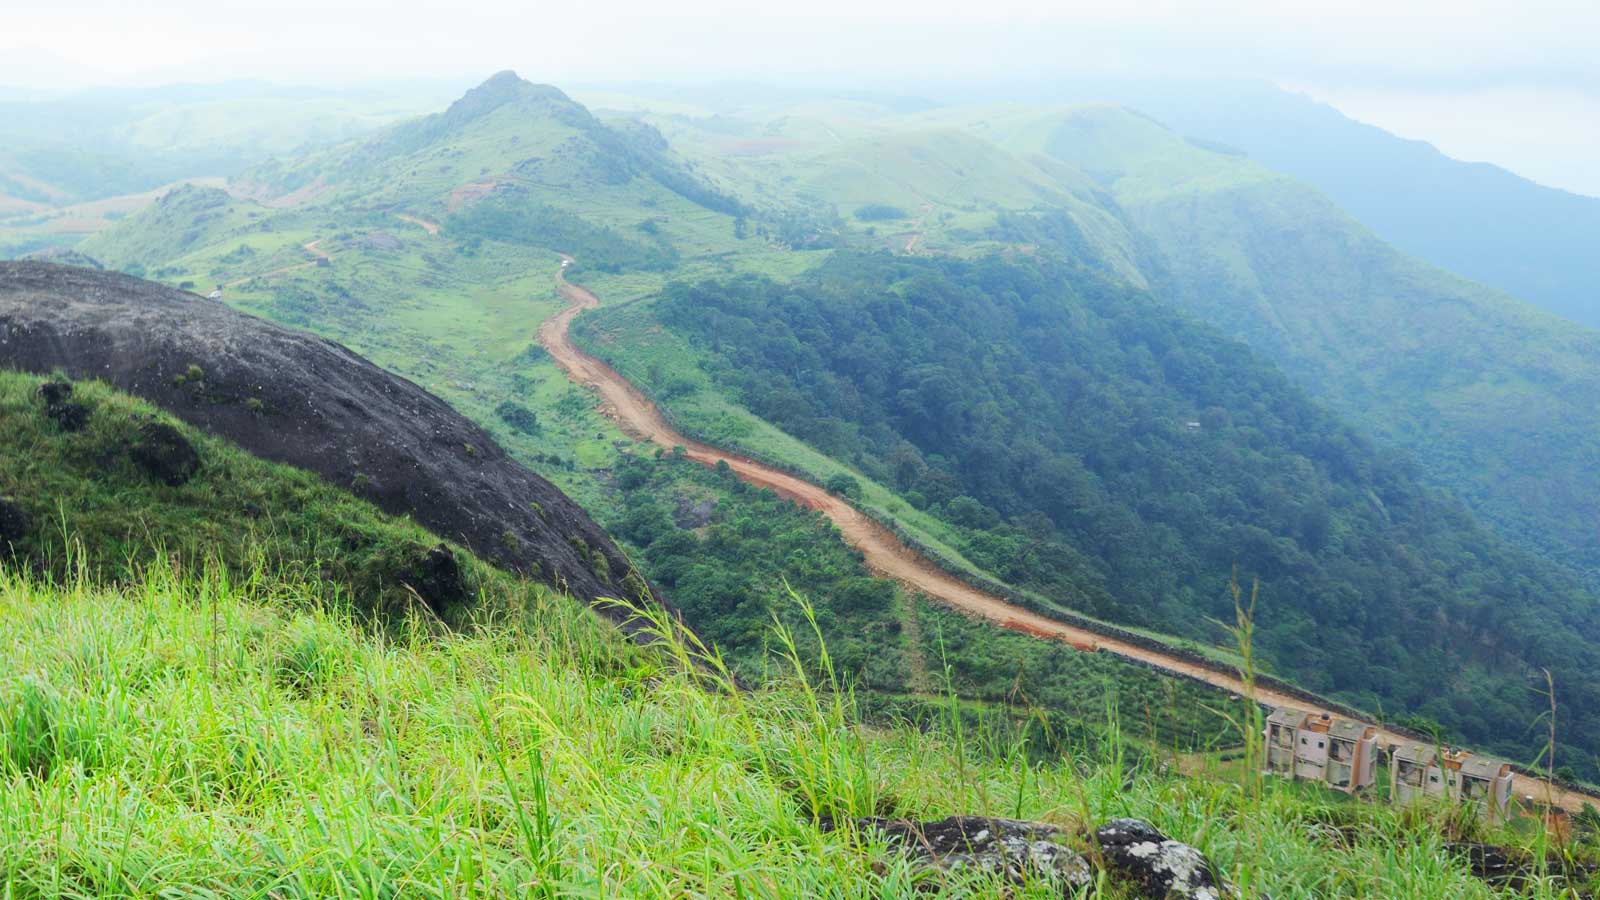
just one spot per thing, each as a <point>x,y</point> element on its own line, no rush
<point>14,525</point>
<point>436,577</point>
<point>69,414</point>
<point>165,453</point>
<point>1163,868</point>
<point>1510,868</point>
<point>298,399</point>
<point>1020,852</point>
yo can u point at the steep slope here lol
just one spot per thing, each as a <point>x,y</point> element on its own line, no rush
<point>291,398</point>
<point>1494,399</point>
<point>98,483</point>
<point>505,132</point>
<point>1120,459</point>
<point>1475,219</point>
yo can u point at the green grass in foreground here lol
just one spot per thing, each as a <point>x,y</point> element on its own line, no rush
<point>188,736</point>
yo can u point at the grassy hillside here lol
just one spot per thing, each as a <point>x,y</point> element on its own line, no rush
<point>443,231</point>
<point>187,735</point>
<point>1475,219</point>
<point>194,703</point>
<point>730,553</point>
<point>1494,399</point>
<point>1045,415</point>
<point>74,166</point>
<point>92,506</point>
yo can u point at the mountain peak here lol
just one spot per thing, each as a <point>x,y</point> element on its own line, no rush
<point>498,90</point>
<point>503,77</point>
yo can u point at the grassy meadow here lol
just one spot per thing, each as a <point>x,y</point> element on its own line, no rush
<point>200,736</point>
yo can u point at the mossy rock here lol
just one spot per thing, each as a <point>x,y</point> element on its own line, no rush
<point>14,524</point>
<point>165,453</point>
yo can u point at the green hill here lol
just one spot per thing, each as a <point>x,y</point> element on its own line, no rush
<point>452,296</point>
<point>505,133</point>
<point>93,500</point>
<point>1112,455</point>
<point>1495,400</point>
<point>194,701</point>
<point>184,219</point>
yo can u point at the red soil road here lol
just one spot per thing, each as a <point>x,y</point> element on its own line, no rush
<point>886,554</point>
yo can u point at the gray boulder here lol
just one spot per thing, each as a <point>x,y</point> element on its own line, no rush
<point>1019,852</point>
<point>1163,868</point>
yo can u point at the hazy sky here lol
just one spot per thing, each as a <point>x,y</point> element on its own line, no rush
<point>1516,83</point>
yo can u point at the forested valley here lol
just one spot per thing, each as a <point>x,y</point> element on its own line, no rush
<point>1113,454</point>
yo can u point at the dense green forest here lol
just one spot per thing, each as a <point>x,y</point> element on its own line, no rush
<point>512,216</point>
<point>1100,447</point>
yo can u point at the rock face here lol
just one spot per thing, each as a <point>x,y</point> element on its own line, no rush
<point>1162,868</point>
<point>1020,852</point>
<point>311,403</point>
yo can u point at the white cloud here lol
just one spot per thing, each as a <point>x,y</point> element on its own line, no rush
<point>1407,50</point>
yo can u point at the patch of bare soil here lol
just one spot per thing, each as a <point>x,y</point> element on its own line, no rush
<point>470,193</point>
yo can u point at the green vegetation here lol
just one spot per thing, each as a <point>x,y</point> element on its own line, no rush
<point>191,735</point>
<point>513,218</point>
<point>1147,531</point>
<point>232,685</point>
<point>1490,397</point>
<point>92,506</point>
<point>879,212</point>
<point>1114,456</point>
<point>731,555</point>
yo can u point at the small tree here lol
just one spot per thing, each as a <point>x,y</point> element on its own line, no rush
<point>843,485</point>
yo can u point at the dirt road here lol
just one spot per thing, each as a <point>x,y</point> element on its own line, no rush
<point>424,224</point>
<point>886,554</point>
<point>919,228</point>
<point>310,247</point>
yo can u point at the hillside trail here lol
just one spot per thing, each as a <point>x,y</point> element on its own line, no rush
<point>309,246</point>
<point>424,224</point>
<point>885,554</point>
<point>919,229</point>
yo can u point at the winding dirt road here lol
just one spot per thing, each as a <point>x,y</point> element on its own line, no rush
<point>310,247</point>
<point>885,553</point>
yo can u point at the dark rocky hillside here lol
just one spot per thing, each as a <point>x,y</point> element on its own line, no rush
<point>311,403</point>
